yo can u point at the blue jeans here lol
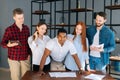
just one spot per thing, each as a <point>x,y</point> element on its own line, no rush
<point>97,64</point>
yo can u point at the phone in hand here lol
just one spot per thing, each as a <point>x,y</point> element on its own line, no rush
<point>15,41</point>
<point>35,35</point>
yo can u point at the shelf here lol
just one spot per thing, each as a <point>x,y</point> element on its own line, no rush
<point>40,12</point>
<point>112,24</point>
<point>36,25</point>
<point>43,1</point>
<point>60,25</point>
<point>63,11</point>
<point>81,9</point>
<point>117,41</point>
<point>63,25</point>
<point>114,59</point>
<point>38,1</point>
<point>75,10</point>
<point>52,0</point>
<point>52,28</point>
<point>113,7</point>
<point>48,27</point>
<point>57,25</point>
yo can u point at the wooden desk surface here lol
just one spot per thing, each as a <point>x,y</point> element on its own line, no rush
<point>30,75</point>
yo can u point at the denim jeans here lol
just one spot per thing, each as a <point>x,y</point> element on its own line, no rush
<point>97,64</point>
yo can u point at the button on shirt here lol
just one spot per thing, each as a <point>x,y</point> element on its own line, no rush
<point>58,52</point>
<point>37,48</point>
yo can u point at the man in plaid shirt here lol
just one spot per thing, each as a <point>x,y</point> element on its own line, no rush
<point>15,39</point>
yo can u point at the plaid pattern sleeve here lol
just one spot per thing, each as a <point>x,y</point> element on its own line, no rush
<point>19,52</point>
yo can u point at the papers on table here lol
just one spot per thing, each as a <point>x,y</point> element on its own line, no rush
<point>95,77</point>
<point>73,74</point>
<point>62,74</point>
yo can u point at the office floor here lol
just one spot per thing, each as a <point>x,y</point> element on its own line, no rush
<point>5,75</point>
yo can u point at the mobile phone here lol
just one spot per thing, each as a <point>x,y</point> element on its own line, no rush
<point>37,33</point>
<point>15,41</point>
<point>19,43</point>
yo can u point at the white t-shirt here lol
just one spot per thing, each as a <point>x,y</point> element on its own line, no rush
<point>37,48</point>
<point>58,52</point>
<point>95,43</point>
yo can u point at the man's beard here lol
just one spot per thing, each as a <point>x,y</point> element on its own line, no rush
<point>99,25</point>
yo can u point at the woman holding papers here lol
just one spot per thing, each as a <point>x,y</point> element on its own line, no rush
<point>81,44</point>
<point>37,44</point>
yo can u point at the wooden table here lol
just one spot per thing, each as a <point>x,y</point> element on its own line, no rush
<point>30,75</point>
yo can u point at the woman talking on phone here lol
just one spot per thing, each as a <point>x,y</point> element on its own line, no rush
<point>37,44</point>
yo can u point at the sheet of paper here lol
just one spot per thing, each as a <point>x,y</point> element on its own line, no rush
<point>62,74</point>
<point>99,46</point>
<point>95,77</point>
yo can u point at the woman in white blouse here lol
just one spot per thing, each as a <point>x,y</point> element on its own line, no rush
<point>37,44</point>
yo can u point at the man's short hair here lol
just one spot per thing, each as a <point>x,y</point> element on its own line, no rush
<point>17,11</point>
<point>61,30</point>
<point>102,14</point>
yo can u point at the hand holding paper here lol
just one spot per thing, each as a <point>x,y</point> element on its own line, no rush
<point>97,47</point>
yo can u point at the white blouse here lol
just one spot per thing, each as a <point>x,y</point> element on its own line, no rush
<point>37,48</point>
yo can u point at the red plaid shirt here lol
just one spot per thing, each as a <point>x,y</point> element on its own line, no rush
<point>14,33</point>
